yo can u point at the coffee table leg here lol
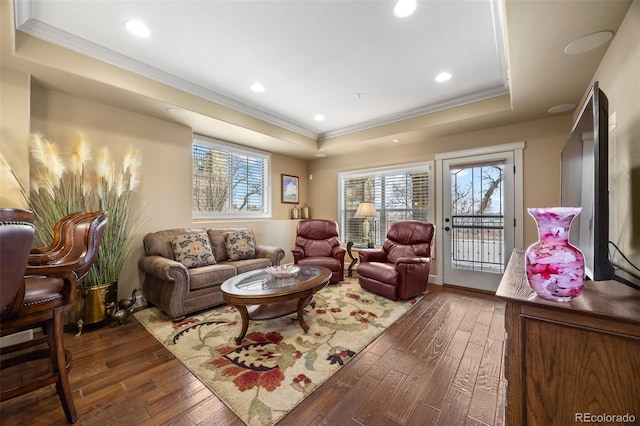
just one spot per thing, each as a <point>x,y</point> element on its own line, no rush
<point>245,322</point>
<point>302,302</point>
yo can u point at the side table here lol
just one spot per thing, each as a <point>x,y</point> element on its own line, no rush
<point>354,259</point>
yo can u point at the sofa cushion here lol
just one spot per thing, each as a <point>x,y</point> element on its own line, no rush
<point>159,243</point>
<point>251,265</point>
<point>210,276</point>
<point>240,244</point>
<point>193,250</point>
<point>383,272</point>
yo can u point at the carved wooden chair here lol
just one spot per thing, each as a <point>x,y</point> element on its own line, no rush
<point>46,291</point>
<point>59,230</point>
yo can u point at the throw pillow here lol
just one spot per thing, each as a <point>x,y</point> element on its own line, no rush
<point>193,250</point>
<point>240,244</point>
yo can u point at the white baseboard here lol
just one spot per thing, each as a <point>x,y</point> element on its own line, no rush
<point>12,339</point>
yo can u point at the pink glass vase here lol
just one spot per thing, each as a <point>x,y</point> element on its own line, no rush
<point>555,268</point>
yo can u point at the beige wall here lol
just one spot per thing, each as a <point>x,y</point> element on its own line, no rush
<point>619,77</point>
<point>14,132</point>
<point>541,157</point>
<point>165,147</point>
<point>166,169</point>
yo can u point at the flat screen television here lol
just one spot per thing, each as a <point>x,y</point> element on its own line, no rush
<point>584,182</point>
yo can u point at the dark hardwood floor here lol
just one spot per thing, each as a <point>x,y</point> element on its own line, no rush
<point>441,364</point>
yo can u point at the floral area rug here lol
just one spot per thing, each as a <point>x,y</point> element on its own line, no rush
<point>277,365</point>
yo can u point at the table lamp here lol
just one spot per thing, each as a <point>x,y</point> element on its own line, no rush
<point>365,211</point>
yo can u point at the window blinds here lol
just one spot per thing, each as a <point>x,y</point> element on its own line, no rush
<point>399,193</point>
<point>228,181</point>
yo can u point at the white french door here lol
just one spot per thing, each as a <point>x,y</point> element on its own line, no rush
<point>478,224</point>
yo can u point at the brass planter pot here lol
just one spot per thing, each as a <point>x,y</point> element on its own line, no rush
<point>91,303</point>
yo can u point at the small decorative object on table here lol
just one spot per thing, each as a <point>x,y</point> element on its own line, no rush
<point>282,271</point>
<point>304,212</point>
<point>555,268</point>
<point>295,213</point>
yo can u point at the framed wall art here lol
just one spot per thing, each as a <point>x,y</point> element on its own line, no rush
<point>290,189</point>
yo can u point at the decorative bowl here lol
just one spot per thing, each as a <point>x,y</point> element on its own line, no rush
<point>282,271</point>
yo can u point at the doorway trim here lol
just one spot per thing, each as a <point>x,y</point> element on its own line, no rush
<point>516,148</point>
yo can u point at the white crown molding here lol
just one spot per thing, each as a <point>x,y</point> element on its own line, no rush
<point>41,30</point>
<point>416,112</point>
<point>25,22</point>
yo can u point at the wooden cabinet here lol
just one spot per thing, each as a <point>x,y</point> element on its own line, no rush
<point>566,362</point>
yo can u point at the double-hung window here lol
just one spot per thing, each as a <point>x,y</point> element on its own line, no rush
<point>229,180</point>
<point>403,192</point>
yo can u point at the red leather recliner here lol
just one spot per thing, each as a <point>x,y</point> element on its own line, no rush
<point>400,270</point>
<point>318,244</point>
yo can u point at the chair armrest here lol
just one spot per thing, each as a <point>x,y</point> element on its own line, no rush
<point>338,252</point>
<point>44,258</point>
<point>63,270</point>
<point>372,255</point>
<point>162,268</point>
<point>275,254</point>
<point>41,250</point>
<point>298,253</point>
<point>413,260</point>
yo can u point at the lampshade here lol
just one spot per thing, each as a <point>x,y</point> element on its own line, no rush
<point>366,210</point>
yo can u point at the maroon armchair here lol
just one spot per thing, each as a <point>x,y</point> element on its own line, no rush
<point>400,269</point>
<point>317,244</point>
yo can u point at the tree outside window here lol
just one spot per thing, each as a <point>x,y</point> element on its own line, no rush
<point>229,181</point>
<point>401,192</point>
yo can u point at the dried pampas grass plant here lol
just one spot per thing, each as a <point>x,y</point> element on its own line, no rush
<point>59,188</point>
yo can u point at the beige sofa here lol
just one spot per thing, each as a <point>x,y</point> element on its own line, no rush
<point>179,290</point>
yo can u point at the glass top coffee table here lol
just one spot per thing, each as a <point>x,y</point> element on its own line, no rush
<point>261,296</point>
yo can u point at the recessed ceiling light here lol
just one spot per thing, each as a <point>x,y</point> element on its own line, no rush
<point>588,42</point>
<point>257,87</point>
<point>404,8</point>
<point>443,76</point>
<point>318,117</point>
<point>561,108</point>
<point>320,155</point>
<point>137,28</point>
<point>395,140</point>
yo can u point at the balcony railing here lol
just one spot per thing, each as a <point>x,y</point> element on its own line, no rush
<point>477,243</point>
